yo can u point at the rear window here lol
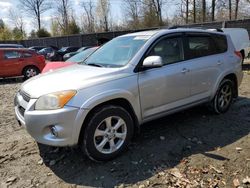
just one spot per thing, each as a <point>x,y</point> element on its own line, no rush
<point>221,43</point>
<point>27,54</point>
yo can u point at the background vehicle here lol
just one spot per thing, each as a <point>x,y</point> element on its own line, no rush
<point>58,55</point>
<point>68,55</point>
<point>36,48</point>
<point>18,62</point>
<point>240,39</point>
<point>47,51</point>
<point>78,58</point>
<point>130,80</point>
<point>11,46</point>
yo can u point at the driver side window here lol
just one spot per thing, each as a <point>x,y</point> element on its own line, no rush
<point>169,49</point>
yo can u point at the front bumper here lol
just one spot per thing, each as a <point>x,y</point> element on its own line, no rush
<point>67,123</point>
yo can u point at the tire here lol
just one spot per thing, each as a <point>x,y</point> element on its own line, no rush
<point>30,72</point>
<point>224,97</point>
<point>101,132</point>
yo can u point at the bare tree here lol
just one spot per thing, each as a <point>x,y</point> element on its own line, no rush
<point>89,9</point>
<point>213,10</point>
<point>236,9</point>
<point>230,9</point>
<point>103,10</point>
<point>132,13</point>
<point>155,7</point>
<point>187,9</point>
<point>63,8</point>
<point>204,10</point>
<point>35,8</point>
<point>194,10</point>
<point>17,20</point>
<point>158,9</point>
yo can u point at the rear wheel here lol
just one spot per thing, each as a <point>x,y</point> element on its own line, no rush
<point>30,72</point>
<point>224,96</point>
<point>108,133</point>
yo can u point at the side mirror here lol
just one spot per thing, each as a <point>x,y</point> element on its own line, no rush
<point>152,62</point>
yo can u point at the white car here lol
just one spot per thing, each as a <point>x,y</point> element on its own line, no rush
<point>240,39</point>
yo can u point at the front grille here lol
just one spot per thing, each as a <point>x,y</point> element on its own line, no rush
<point>25,96</point>
<point>21,110</point>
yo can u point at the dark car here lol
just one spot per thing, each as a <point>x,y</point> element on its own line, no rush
<point>78,58</point>
<point>47,51</point>
<point>37,48</point>
<point>69,55</point>
<point>58,56</point>
<point>11,46</point>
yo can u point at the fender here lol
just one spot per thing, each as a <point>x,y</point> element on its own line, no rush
<point>114,94</point>
<point>102,98</point>
<point>219,80</point>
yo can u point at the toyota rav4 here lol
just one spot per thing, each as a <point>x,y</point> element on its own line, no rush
<point>100,103</point>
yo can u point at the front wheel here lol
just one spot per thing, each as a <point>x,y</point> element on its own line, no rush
<point>223,97</point>
<point>30,72</point>
<point>108,133</point>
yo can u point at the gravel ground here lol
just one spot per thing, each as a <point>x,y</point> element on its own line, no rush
<point>193,148</point>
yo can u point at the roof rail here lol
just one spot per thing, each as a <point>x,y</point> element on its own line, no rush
<point>211,29</point>
<point>216,29</point>
<point>175,27</point>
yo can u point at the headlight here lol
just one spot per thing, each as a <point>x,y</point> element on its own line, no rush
<point>54,101</point>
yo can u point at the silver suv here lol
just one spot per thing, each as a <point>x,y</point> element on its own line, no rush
<point>100,103</point>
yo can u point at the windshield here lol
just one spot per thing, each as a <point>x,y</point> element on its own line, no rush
<point>63,49</point>
<point>117,52</point>
<point>81,56</point>
<point>81,49</point>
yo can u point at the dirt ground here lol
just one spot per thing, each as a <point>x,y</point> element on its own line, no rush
<point>193,148</point>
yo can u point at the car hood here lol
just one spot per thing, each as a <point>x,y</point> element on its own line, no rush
<point>74,77</point>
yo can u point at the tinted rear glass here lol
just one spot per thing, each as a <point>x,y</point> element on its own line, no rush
<point>199,46</point>
<point>221,43</point>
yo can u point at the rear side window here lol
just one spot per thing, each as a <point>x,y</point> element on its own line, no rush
<point>221,43</point>
<point>27,54</point>
<point>11,54</point>
<point>199,46</point>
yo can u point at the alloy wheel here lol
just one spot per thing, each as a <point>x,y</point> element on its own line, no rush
<point>110,134</point>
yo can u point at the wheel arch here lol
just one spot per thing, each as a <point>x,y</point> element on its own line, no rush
<point>122,102</point>
<point>232,77</point>
<point>27,66</point>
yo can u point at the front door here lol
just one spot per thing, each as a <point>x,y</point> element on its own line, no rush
<point>10,63</point>
<point>166,87</point>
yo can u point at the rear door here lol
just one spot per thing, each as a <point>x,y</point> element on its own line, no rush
<point>207,60</point>
<point>11,63</point>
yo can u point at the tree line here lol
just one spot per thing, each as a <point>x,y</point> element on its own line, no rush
<point>97,15</point>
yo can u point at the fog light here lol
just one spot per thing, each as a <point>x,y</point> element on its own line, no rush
<point>53,131</point>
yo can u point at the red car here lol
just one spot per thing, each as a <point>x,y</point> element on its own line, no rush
<point>78,58</point>
<point>20,62</point>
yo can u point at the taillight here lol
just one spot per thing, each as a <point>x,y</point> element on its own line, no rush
<point>238,54</point>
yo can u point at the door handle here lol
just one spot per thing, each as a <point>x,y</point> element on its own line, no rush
<point>184,70</point>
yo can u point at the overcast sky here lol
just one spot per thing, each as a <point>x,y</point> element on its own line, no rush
<point>6,5</point>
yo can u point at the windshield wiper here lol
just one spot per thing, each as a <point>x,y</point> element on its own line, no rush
<point>95,64</point>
